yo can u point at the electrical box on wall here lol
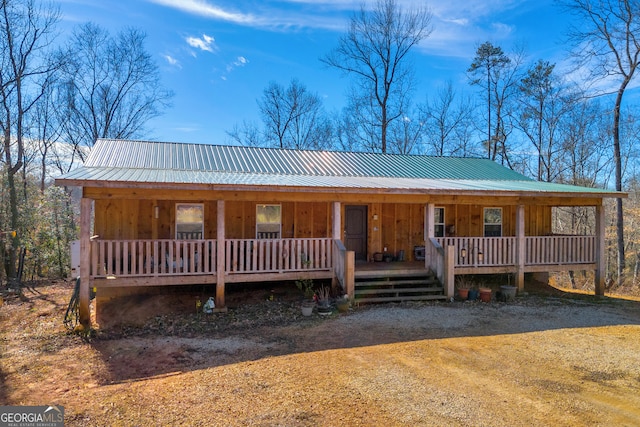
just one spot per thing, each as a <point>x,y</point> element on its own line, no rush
<point>75,258</point>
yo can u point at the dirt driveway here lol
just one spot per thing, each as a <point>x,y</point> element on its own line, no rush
<point>545,359</point>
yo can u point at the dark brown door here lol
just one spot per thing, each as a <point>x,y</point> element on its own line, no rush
<point>355,230</point>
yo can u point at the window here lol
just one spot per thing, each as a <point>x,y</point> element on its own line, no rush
<point>493,222</point>
<point>438,222</point>
<point>268,221</point>
<point>189,221</point>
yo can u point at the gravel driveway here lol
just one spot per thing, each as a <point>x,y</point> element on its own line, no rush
<point>550,360</point>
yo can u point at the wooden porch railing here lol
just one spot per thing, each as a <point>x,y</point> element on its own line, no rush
<point>137,258</point>
<point>277,255</point>
<point>439,260</point>
<point>434,255</point>
<point>481,251</point>
<point>128,258</point>
<point>448,256</point>
<point>502,251</point>
<point>344,267</point>
<point>549,250</point>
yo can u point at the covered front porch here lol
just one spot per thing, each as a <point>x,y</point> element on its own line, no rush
<point>163,262</point>
<point>113,263</point>
<point>520,254</point>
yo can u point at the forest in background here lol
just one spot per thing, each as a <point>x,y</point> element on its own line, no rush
<point>58,96</point>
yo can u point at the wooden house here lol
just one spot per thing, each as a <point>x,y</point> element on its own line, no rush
<point>157,214</point>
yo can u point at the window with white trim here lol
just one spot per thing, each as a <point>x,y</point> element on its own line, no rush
<point>492,222</point>
<point>438,222</point>
<point>189,221</point>
<point>268,221</point>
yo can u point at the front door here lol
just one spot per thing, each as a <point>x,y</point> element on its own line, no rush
<point>355,230</point>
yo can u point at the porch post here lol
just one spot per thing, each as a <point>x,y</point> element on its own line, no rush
<point>220,257</point>
<point>85,260</point>
<point>449,271</point>
<point>154,219</point>
<point>336,226</point>
<point>520,242</point>
<point>600,250</point>
<point>429,232</point>
<point>336,222</point>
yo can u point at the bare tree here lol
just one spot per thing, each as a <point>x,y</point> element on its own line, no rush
<point>543,104</point>
<point>583,143</point>
<point>406,135</point>
<point>496,73</point>
<point>246,133</point>
<point>608,45</point>
<point>110,87</point>
<point>376,51</point>
<point>293,117</point>
<point>26,31</point>
<point>447,122</point>
<point>45,129</point>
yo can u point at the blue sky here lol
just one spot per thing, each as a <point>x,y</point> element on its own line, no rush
<point>217,56</point>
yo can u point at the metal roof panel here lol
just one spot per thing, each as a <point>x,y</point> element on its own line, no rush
<point>198,157</point>
<point>119,162</point>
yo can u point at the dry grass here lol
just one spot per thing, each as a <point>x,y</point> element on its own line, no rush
<point>546,359</point>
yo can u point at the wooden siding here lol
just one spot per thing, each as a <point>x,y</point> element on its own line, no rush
<point>127,219</point>
<point>396,226</point>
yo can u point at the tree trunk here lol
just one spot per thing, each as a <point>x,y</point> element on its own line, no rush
<point>618,164</point>
<point>383,130</point>
<point>12,254</point>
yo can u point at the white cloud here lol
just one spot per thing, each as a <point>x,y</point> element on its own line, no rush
<point>172,61</point>
<point>460,25</point>
<point>501,30</point>
<point>263,15</point>
<point>205,43</point>
<point>240,61</point>
<point>203,8</point>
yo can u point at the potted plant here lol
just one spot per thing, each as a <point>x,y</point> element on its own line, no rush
<point>343,303</point>
<point>485,294</point>
<point>463,285</point>
<point>306,287</point>
<point>508,292</point>
<point>323,299</point>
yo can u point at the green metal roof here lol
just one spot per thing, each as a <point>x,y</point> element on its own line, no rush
<point>118,162</point>
<point>135,155</point>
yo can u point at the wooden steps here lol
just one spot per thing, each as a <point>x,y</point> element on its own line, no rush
<point>397,286</point>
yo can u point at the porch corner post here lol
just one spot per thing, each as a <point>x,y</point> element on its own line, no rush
<point>521,248</point>
<point>336,222</point>
<point>220,257</point>
<point>600,250</point>
<point>449,274</point>
<point>85,260</point>
<point>350,274</point>
<point>336,226</point>
<point>429,232</point>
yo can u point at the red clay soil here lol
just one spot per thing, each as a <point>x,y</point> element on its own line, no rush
<point>553,359</point>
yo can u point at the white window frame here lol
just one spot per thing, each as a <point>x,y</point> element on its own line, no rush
<point>439,224</point>
<point>491,224</point>
<point>201,223</point>
<point>268,227</point>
